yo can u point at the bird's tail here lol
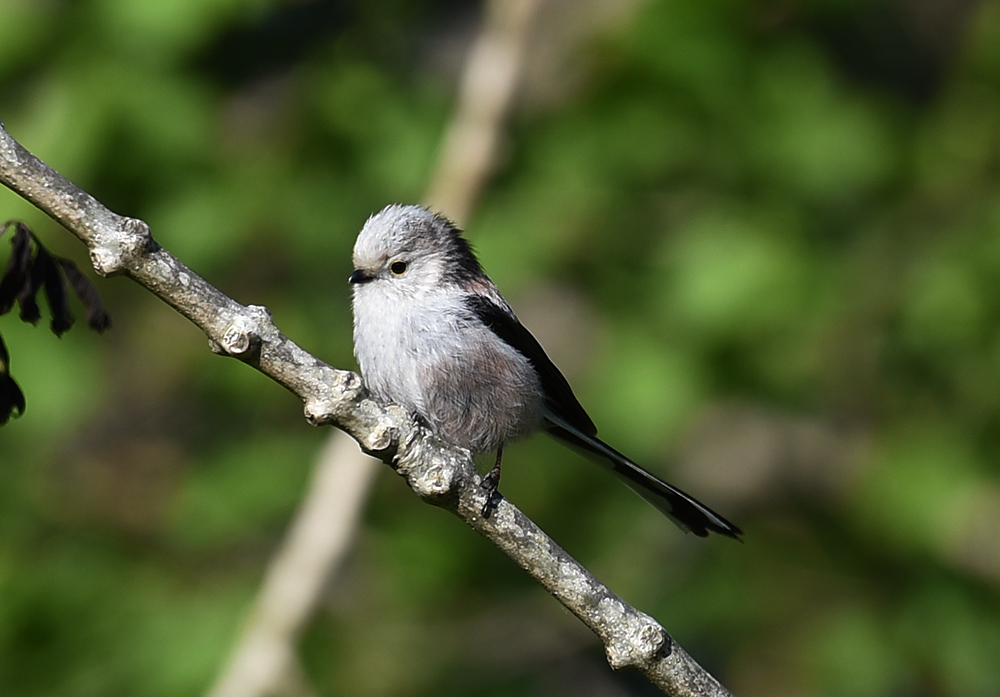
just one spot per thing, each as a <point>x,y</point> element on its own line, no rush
<point>688,513</point>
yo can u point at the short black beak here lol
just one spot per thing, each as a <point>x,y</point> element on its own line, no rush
<point>360,276</point>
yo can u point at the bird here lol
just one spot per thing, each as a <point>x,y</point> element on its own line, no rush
<point>433,334</point>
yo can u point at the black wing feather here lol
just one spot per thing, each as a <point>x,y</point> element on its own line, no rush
<point>559,397</point>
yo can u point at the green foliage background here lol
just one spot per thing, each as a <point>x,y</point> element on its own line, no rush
<point>775,227</point>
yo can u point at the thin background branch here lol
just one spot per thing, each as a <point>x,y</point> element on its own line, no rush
<point>488,86</point>
<point>325,526</point>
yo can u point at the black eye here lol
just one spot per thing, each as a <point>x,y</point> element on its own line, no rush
<point>398,268</point>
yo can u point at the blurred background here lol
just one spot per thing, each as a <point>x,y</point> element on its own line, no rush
<point>760,237</point>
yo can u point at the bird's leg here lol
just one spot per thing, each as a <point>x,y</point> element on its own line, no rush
<point>491,482</point>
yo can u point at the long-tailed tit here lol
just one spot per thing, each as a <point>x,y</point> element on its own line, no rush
<point>433,334</point>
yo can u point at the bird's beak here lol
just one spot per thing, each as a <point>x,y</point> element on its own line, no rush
<point>360,276</point>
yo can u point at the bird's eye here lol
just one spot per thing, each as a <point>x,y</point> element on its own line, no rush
<point>398,268</point>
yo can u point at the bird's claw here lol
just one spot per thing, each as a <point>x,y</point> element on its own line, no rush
<point>493,497</point>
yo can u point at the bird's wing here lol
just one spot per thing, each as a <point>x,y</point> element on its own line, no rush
<point>559,397</point>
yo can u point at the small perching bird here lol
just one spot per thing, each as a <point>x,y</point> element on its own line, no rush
<point>433,334</point>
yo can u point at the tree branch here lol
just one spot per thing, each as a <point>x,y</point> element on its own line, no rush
<point>486,92</point>
<point>439,473</point>
<point>317,540</point>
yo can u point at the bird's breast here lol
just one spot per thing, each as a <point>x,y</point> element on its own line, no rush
<point>438,361</point>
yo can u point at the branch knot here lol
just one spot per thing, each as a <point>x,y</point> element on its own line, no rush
<point>121,252</point>
<point>239,338</point>
<point>331,401</point>
<point>435,470</point>
<point>636,639</point>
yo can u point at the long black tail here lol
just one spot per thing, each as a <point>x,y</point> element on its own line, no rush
<point>688,513</point>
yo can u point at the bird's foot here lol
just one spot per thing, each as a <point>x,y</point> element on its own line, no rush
<point>490,484</point>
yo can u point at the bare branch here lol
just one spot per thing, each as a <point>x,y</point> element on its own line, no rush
<point>486,93</point>
<point>439,473</point>
<point>318,539</point>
